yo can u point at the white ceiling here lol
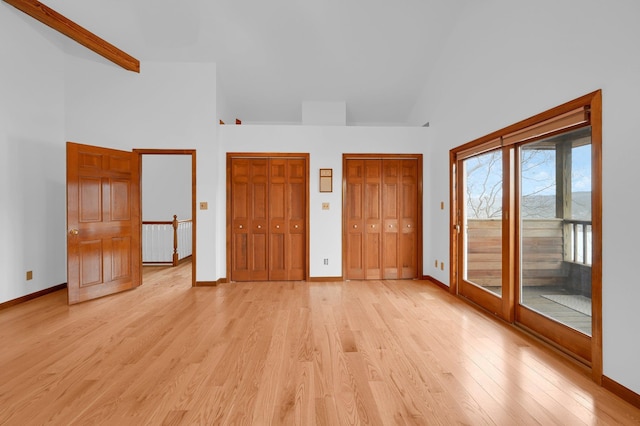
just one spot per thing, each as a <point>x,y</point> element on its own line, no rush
<point>375,55</point>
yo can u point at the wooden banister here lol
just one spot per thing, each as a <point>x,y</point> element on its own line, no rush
<point>175,240</point>
<point>175,224</point>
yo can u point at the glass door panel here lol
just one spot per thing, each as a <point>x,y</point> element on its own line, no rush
<point>482,215</point>
<point>555,228</point>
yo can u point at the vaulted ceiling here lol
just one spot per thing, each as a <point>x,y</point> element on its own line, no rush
<point>375,55</point>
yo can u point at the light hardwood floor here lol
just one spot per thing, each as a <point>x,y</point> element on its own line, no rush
<point>375,352</point>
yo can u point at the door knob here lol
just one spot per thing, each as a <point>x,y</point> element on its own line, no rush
<point>74,232</point>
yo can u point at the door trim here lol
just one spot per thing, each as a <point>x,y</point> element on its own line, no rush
<point>192,153</point>
<point>373,156</point>
<point>233,155</point>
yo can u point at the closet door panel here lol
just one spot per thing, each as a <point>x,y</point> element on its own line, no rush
<point>408,208</point>
<point>259,219</point>
<point>296,219</point>
<point>277,219</point>
<point>355,219</point>
<point>373,222</point>
<point>240,228</point>
<point>391,200</point>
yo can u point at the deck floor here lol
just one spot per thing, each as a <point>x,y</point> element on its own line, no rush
<point>533,298</point>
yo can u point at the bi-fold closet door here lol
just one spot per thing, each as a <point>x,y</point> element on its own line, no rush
<point>382,219</point>
<point>268,217</point>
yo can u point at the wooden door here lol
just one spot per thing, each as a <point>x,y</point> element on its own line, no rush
<point>382,223</point>
<point>354,220</point>
<point>268,218</point>
<point>408,214</point>
<point>249,219</point>
<point>372,207</point>
<point>287,213</point>
<point>103,219</point>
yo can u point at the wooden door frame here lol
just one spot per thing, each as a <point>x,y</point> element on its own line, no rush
<point>192,153</point>
<point>230,157</point>
<point>419,177</point>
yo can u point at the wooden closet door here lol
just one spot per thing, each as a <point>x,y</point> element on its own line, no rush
<point>268,219</point>
<point>372,219</point>
<point>249,214</point>
<point>390,215</point>
<point>364,224</point>
<point>287,213</point>
<point>408,209</point>
<point>240,201</point>
<point>278,220</point>
<point>400,215</point>
<point>354,215</point>
<point>381,215</point>
<point>296,243</point>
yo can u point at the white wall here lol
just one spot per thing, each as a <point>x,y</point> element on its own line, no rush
<point>32,156</point>
<point>166,187</point>
<point>167,105</point>
<point>325,144</point>
<point>507,61</point>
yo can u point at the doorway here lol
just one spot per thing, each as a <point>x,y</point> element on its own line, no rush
<point>382,219</point>
<point>160,215</point>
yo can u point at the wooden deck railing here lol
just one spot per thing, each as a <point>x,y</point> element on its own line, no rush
<point>549,247</point>
<point>160,237</point>
<point>580,244</point>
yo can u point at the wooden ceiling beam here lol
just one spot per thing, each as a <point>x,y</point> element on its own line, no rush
<point>58,22</point>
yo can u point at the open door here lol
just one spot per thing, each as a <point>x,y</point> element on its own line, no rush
<point>103,219</point>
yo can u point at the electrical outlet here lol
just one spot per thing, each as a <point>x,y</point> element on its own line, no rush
<point>326,261</point>
<point>29,275</point>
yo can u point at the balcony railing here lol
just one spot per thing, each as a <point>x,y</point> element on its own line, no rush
<point>580,244</point>
<point>549,248</point>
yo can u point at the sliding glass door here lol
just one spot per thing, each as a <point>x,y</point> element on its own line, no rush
<point>481,191</point>
<point>526,225</point>
<point>556,235</point>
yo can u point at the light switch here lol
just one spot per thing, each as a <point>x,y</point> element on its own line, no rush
<point>325,206</point>
<point>204,205</point>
